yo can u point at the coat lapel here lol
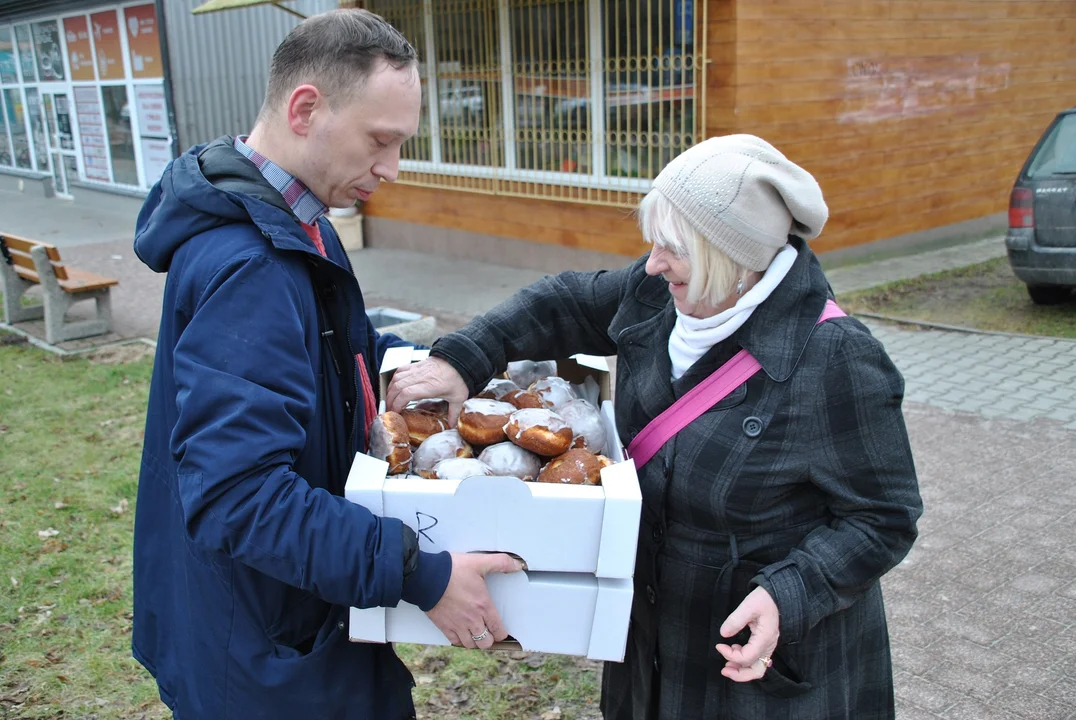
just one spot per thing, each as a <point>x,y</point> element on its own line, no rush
<point>778,330</point>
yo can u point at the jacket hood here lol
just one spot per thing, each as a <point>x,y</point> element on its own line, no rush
<point>209,186</point>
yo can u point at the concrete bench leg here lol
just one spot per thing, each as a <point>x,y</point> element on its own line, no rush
<point>14,288</point>
<point>58,301</point>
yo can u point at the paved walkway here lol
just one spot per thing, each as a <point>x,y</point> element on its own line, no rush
<point>868,275</point>
<point>996,376</point>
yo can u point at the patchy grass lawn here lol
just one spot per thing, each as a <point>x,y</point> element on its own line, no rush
<point>986,296</point>
<point>70,443</point>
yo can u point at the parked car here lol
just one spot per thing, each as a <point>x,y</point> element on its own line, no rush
<point>1041,241</point>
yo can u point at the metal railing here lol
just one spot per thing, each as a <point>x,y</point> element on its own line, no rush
<point>575,100</point>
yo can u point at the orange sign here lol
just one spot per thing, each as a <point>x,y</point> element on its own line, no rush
<point>143,41</point>
<point>79,52</point>
<point>106,38</point>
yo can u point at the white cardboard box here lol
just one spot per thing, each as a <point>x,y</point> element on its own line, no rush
<point>578,542</point>
<point>563,613</point>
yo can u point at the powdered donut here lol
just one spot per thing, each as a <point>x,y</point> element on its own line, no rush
<point>437,406</point>
<point>524,372</point>
<point>422,424</point>
<point>575,467</point>
<point>523,399</point>
<point>482,421</point>
<point>555,392</point>
<point>511,460</point>
<point>460,469</point>
<point>586,423</point>
<point>389,441</point>
<point>497,389</point>
<point>539,430</point>
<point>442,446</point>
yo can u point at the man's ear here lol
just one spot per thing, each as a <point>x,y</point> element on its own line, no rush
<point>302,104</point>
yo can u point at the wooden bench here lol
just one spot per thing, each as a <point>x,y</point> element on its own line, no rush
<point>26,263</point>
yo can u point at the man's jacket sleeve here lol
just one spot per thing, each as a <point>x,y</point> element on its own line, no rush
<point>245,394</point>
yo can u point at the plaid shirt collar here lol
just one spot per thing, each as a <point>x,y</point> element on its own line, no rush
<point>298,196</point>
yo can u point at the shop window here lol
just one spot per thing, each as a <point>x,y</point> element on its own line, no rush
<point>9,74</point>
<point>26,53</point>
<point>575,99</point>
<point>20,140</point>
<point>37,128</point>
<point>6,158</point>
<point>120,137</point>
<point>50,58</point>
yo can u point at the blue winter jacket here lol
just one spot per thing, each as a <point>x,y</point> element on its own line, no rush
<point>246,554</point>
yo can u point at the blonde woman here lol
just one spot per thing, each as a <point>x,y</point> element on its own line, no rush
<point>769,518</point>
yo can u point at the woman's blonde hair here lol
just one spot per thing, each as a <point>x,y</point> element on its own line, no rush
<point>714,274</point>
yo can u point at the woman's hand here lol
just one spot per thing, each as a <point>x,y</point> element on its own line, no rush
<point>430,378</point>
<point>759,612</point>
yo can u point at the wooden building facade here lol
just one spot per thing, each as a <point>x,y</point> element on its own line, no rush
<point>912,114</point>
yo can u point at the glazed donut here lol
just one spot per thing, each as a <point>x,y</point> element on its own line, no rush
<point>459,469</point>
<point>497,389</point>
<point>524,372</point>
<point>437,406</point>
<point>482,421</point>
<point>442,446</point>
<point>541,431</point>
<point>554,391</point>
<point>421,424</point>
<point>390,442</point>
<point>511,460</point>
<point>586,423</point>
<point>575,467</point>
<point>523,399</point>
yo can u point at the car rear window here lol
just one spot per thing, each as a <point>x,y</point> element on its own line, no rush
<point>1056,156</point>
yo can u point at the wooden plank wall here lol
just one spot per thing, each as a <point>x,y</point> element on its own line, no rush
<point>588,227</point>
<point>912,114</point>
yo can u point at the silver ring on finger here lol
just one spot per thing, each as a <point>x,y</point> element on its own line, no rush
<point>480,638</point>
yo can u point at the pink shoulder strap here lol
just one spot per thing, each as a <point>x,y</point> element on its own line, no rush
<point>701,398</point>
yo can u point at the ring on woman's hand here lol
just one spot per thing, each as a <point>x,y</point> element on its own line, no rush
<point>480,638</point>
<point>766,661</point>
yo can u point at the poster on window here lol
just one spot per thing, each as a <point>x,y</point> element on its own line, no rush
<point>26,53</point>
<point>50,57</point>
<point>151,109</point>
<point>91,126</point>
<point>156,154</point>
<point>106,38</point>
<point>143,42</point>
<point>79,51</point>
<point>8,70</point>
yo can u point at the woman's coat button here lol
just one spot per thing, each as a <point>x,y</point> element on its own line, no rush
<point>752,427</point>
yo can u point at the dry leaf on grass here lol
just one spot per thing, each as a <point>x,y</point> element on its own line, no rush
<point>553,714</point>
<point>47,533</point>
<point>121,508</point>
<point>14,581</point>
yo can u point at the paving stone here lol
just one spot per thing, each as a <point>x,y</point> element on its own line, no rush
<point>975,710</point>
<point>972,683</point>
<point>1028,703</point>
<point>966,654</point>
<point>925,694</point>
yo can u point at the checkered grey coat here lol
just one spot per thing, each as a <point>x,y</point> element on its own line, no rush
<point>800,481</point>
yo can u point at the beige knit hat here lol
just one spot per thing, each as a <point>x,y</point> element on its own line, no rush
<point>744,196</point>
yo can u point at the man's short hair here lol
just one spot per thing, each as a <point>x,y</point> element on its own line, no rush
<point>336,52</point>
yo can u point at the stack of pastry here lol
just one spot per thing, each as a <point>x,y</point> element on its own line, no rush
<point>530,425</point>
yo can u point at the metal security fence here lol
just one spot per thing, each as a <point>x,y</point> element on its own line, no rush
<point>576,100</point>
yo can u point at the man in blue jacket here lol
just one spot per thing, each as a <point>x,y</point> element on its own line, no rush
<point>246,554</point>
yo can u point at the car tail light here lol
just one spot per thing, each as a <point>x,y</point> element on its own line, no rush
<point>1022,208</point>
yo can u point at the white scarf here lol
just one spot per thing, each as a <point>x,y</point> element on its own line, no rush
<point>692,337</point>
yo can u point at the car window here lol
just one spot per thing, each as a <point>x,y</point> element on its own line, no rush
<point>1057,155</point>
